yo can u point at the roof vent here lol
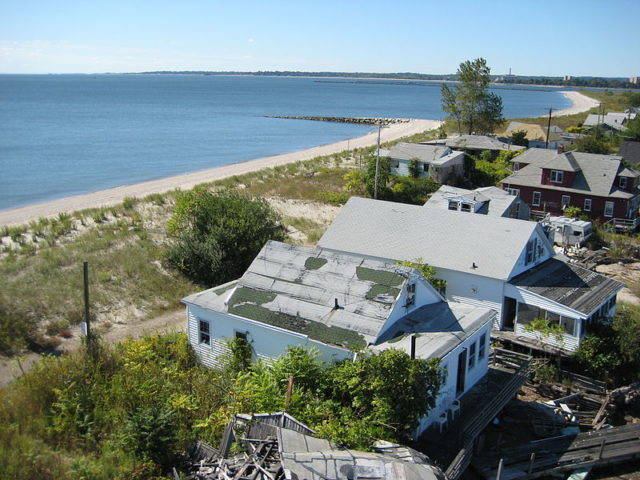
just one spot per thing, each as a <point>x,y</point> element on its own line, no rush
<point>336,305</point>
<point>473,265</point>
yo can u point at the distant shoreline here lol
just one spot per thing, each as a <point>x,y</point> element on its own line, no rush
<point>113,196</point>
<point>21,215</point>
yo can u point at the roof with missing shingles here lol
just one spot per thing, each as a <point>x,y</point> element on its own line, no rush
<point>569,285</point>
<point>296,288</point>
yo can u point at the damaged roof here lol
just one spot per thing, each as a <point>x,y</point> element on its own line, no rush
<point>568,284</point>
<point>308,458</point>
<point>331,297</point>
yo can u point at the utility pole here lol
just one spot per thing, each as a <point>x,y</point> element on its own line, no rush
<point>375,184</point>
<point>87,319</point>
<point>546,144</point>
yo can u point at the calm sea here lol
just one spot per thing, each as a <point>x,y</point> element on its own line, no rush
<point>63,135</point>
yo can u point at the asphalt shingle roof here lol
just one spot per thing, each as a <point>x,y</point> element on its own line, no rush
<point>441,238</point>
<point>475,142</point>
<point>596,176</point>
<point>568,284</point>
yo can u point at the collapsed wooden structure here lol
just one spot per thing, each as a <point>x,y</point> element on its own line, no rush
<point>278,447</point>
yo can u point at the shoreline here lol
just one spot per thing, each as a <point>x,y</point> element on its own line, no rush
<point>113,196</point>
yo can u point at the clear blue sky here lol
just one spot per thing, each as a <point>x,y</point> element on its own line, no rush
<point>543,37</point>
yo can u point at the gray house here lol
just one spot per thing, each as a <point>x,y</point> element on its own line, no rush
<point>340,304</point>
<point>493,262</point>
<point>485,201</point>
<point>437,162</point>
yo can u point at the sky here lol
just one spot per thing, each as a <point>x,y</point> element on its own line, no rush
<point>543,37</point>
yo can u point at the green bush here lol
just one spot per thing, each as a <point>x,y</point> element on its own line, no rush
<point>219,234</point>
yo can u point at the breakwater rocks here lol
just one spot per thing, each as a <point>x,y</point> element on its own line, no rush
<point>360,120</point>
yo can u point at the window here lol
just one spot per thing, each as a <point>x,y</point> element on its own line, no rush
<point>411,294</point>
<point>394,163</point>
<point>466,207</point>
<point>514,191</point>
<point>536,199</point>
<point>587,205</point>
<point>608,209</point>
<point>623,182</point>
<point>516,166</point>
<point>556,176</point>
<point>241,335</point>
<point>442,287</point>
<point>533,252</point>
<point>483,346</point>
<point>425,167</point>
<point>566,201</point>
<point>445,375</point>
<point>472,355</point>
<point>204,332</point>
<point>453,205</point>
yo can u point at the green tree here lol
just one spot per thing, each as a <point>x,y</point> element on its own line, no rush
<point>470,103</point>
<point>414,168</point>
<point>595,142</point>
<point>219,234</point>
<point>520,138</point>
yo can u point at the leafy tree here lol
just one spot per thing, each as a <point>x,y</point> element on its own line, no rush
<point>414,168</point>
<point>633,130</point>
<point>219,234</point>
<point>384,173</point>
<point>520,138</point>
<point>595,142</point>
<point>470,103</point>
<point>572,212</point>
<point>427,271</point>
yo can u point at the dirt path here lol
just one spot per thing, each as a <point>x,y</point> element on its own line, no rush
<point>13,368</point>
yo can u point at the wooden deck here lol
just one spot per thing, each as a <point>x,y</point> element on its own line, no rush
<point>454,447</point>
<point>561,454</point>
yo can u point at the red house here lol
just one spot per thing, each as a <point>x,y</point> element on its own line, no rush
<point>600,185</point>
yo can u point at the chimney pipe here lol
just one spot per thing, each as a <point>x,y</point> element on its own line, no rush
<point>413,346</point>
<point>336,306</point>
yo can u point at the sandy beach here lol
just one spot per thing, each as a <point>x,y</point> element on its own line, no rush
<point>112,196</point>
<point>581,103</point>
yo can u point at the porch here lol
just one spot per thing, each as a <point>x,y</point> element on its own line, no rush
<point>453,445</point>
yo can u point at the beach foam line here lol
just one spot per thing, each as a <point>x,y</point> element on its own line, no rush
<point>113,196</point>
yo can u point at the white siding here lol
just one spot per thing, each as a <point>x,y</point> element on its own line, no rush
<point>567,342</point>
<point>402,170</point>
<point>448,390</point>
<point>266,341</point>
<point>524,296</point>
<point>474,290</point>
<point>522,265</point>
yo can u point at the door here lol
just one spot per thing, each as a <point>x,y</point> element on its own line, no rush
<point>462,371</point>
<point>508,313</point>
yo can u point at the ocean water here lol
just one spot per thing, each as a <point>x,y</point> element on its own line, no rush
<point>64,135</point>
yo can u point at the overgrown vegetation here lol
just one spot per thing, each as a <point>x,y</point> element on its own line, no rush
<point>219,234</point>
<point>130,411</point>
<point>612,352</point>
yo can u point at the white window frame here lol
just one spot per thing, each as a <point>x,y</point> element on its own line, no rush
<point>622,183</point>
<point>411,294</point>
<point>514,191</point>
<point>454,203</point>
<point>472,356</point>
<point>516,166</point>
<point>608,209</point>
<point>204,332</point>
<point>536,202</point>
<point>587,205</point>
<point>556,176</point>
<point>566,201</point>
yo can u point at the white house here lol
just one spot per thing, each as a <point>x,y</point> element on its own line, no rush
<point>338,303</point>
<point>435,161</point>
<point>487,261</point>
<point>485,201</point>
